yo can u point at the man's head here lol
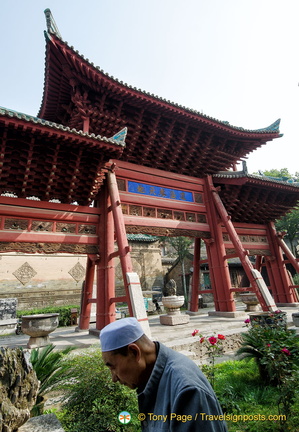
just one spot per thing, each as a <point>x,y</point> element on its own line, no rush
<point>128,352</point>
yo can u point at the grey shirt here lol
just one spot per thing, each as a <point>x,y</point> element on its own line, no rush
<point>178,397</point>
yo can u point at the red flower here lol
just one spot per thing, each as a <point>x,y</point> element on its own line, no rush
<point>212,340</point>
<point>247,321</point>
<point>286,351</point>
<point>195,332</point>
<point>268,345</point>
<point>221,337</point>
<point>202,339</point>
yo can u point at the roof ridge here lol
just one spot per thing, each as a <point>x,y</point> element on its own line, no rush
<point>120,141</point>
<point>53,29</point>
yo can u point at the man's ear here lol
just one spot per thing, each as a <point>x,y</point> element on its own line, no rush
<point>134,350</point>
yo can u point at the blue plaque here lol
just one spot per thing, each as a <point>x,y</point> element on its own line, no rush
<point>159,192</point>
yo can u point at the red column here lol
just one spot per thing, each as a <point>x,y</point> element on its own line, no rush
<point>87,294</point>
<point>105,269</point>
<point>121,235</point>
<point>282,290</point>
<point>195,276</point>
<point>218,266</point>
<point>242,254</point>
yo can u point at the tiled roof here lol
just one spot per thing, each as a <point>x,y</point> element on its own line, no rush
<point>253,177</point>
<point>53,29</point>
<point>31,119</point>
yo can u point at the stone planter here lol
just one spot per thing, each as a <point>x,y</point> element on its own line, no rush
<point>270,319</point>
<point>173,304</point>
<point>295,317</point>
<point>38,327</point>
<point>251,301</point>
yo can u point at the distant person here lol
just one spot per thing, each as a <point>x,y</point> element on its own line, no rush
<point>173,393</point>
<point>158,308</point>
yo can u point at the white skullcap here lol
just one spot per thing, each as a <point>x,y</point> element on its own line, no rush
<point>120,333</point>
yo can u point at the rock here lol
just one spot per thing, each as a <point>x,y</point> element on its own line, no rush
<point>18,388</point>
<point>43,423</point>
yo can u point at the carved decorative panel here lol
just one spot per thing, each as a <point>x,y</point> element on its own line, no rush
<point>135,210</point>
<point>190,217</point>
<point>149,212</point>
<point>77,272</point>
<point>87,229</point>
<point>41,226</point>
<point>65,227</point>
<point>198,198</point>
<point>48,248</point>
<point>124,208</point>
<point>24,273</point>
<point>121,183</point>
<point>179,215</point>
<point>171,232</point>
<point>201,218</point>
<point>16,224</point>
<point>164,214</point>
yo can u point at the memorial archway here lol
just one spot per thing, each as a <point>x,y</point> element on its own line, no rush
<point>166,170</point>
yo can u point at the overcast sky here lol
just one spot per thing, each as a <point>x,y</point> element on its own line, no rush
<point>234,60</point>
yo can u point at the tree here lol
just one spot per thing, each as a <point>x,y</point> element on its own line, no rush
<point>290,224</point>
<point>181,246</point>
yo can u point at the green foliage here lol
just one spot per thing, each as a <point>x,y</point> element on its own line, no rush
<point>181,246</point>
<point>275,350</point>
<point>64,313</point>
<point>289,224</point>
<point>282,173</point>
<point>50,370</point>
<point>93,401</point>
<point>242,393</point>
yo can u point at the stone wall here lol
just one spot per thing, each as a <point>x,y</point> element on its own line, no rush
<point>146,261</point>
<point>37,280</point>
<point>8,308</point>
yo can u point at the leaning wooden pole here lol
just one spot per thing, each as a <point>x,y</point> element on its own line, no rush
<point>195,276</point>
<point>130,278</point>
<point>254,276</point>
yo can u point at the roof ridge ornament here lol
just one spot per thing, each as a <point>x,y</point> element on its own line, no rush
<point>51,24</point>
<point>120,137</point>
<point>274,127</point>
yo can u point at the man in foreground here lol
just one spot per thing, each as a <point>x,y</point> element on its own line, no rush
<point>173,393</point>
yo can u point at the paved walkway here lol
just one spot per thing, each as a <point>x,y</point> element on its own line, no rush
<point>169,335</point>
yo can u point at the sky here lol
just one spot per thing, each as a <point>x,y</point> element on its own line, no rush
<point>233,60</point>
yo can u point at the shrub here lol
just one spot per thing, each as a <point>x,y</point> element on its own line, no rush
<point>50,370</point>
<point>64,313</point>
<point>93,401</point>
<point>275,350</point>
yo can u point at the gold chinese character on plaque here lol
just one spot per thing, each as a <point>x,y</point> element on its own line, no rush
<point>140,189</point>
<point>162,192</point>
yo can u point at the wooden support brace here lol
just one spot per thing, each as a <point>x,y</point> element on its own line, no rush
<point>254,276</point>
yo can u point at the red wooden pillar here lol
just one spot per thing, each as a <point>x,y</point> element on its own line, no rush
<point>87,293</point>
<point>105,269</point>
<point>195,276</point>
<point>218,266</point>
<point>258,262</point>
<point>121,235</point>
<point>281,288</point>
<point>264,297</point>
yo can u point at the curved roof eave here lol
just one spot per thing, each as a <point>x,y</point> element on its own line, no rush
<point>53,36</point>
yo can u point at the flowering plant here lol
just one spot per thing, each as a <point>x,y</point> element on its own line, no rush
<point>214,347</point>
<point>275,350</point>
